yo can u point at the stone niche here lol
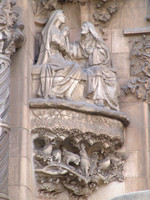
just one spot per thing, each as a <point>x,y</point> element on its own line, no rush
<point>76,148</point>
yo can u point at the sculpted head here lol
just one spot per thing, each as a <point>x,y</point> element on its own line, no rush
<point>61,17</point>
<point>84,28</point>
<point>88,27</point>
<point>56,17</point>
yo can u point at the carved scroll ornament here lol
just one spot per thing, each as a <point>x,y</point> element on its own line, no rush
<point>11,37</point>
<point>140,70</point>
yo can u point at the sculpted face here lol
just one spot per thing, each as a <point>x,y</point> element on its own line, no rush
<point>84,29</point>
<point>62,18</point>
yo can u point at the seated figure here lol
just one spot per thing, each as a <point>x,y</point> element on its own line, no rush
<point>101,85</point>
<point>65,65</point>
<point>59,76</point>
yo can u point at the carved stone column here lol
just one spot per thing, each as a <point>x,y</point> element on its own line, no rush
<point>10,38</point>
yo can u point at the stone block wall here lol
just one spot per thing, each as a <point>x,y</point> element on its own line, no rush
<point>131,14</point>
<point>20,145</point>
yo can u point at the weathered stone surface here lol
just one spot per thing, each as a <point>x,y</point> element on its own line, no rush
<point>68,141</point>
<point>142,195</point>
<point>131,31</point>
<point>11,38</point>
<point>64,65</point>
<point>139,57</point>
<point>79,106</point>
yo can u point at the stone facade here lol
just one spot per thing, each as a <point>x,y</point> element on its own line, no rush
<point>122,147</point>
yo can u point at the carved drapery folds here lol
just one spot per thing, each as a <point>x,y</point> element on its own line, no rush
<point>11,38</point>
<point>77,128</point>
<point>81,71</point>
<point>140,69</point>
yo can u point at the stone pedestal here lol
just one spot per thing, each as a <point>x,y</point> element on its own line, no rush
<point>75,146</point>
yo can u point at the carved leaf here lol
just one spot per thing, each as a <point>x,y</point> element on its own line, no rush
<point>140,94</point>
<point>133,88</point>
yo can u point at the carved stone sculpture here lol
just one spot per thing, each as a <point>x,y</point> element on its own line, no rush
<point>75,158</point>
<point>66,66</point>
<point>105,10</point>
<point>140,70</point>
<point>76,126</point>
<point>40,6</point>
<point>11,37</point>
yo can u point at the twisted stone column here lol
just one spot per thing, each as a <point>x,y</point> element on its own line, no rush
<point>4,123</point>
<point>11,38</point>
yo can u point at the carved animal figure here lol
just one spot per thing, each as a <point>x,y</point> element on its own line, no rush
<point>47,149</point>
<point>94,160</point>
<point>56,155</point>
<point>104,164</point>
<point>85,161</point>
<point>69,157</point>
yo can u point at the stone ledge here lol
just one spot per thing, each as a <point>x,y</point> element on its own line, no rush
<point>80,107</point>
<point>3,197</point>
<point>140,195</point>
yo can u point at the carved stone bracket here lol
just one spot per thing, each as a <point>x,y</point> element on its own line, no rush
<point>76,150</point>
<point>140,69</point>
<point>11,37</point>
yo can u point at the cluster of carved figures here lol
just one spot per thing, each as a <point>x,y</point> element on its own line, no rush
<point>78,71</point>
<point>140,69</point>
<point>65,160</point>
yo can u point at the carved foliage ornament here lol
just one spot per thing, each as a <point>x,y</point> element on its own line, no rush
<point>11,37</point>
<point>41,6</point>
<point>140,69</point>
<point>73,158</point>
<point>105,10</point>
<point>66,160</point>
